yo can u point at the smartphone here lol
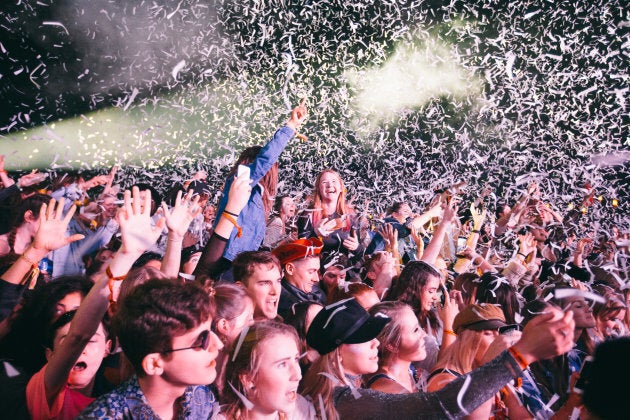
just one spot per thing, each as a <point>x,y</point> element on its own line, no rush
<point>585,373</point>
<point>443,295</point>
<point>243,170</point>
<point>461,244</point>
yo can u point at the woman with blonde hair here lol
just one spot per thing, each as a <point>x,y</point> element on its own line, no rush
<point>345,336</point>
<point>332,219</point>
<point>401,343</point>
<point>263,375</point>
<point>477,327</point>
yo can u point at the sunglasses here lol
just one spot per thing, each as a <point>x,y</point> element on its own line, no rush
<point>203,340</point>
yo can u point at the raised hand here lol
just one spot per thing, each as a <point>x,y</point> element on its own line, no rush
<point>526,243</point>
<point>449,310</point>
<point>390,235</point>
<point>239,194</point>
<point>134,219</point>
<point>179,217</point>
<point>33,178</point>
<point>478,217</point>
<point>298,115</point>
<point>51,232</point>
<point>547,335</point>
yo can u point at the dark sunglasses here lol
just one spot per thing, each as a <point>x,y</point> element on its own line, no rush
<point>203,340</point>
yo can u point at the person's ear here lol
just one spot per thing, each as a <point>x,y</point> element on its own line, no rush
<point>246,381</point>
<point>289,268</point>
<point>29,216</point>
<point>108,348</point>
<point>49,353</point>
<point>223,326</point>
<point>153,364</point>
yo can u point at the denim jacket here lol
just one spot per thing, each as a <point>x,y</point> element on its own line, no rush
<point>252,217</point>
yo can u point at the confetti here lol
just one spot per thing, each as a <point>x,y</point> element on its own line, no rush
<point>176,87</point>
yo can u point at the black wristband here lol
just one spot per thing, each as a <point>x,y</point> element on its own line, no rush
<point>521,254</point>
<point>230,213</point>
<point>475,231</point>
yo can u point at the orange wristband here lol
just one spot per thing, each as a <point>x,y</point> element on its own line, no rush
<point>451,332</point>
<point>235,223</point>
<point>112,279</point>
<point>33,274</point>
<point>519,358</point>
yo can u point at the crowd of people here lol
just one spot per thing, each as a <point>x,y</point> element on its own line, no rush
<point>127,303</point>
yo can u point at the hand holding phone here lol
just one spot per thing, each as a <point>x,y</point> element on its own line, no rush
<point>243,170</point>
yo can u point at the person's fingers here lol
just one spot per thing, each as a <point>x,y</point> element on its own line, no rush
<point>42,212</point>
<point>178,198</point>
<point>135,203</point>
<point>50,209</point>
<point>74,238</point>
<point>127,202</point>
<point>70,213</point>
<point>165,209</point>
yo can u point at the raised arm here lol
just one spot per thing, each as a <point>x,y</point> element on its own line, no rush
<point>435,245</point>
<point>238,195</point>
<point>50,235</point>
<point>178,219</point>
<point>137,236</point>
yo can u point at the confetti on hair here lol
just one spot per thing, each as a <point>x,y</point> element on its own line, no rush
<point>246,403</point>
<point>566,292</point>
<point>336,381</point>
<point>322,408</point>
<point>239,343</point>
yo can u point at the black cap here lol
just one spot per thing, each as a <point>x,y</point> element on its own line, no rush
<point>343,322</point>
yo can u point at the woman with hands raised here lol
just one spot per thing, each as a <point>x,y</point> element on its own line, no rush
<point>63,387</point>
<point>262,163</point>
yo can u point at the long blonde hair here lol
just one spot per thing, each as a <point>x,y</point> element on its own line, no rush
<point>319,381</point>
<point>460,356</point>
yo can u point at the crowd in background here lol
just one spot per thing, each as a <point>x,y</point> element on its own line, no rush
<point>122,301</point>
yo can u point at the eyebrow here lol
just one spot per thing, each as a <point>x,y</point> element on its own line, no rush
<point>286,358</point>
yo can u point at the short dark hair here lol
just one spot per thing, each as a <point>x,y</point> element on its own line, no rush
<point>602,396</point>
<point>154,312</point>
<point>244,264</point>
